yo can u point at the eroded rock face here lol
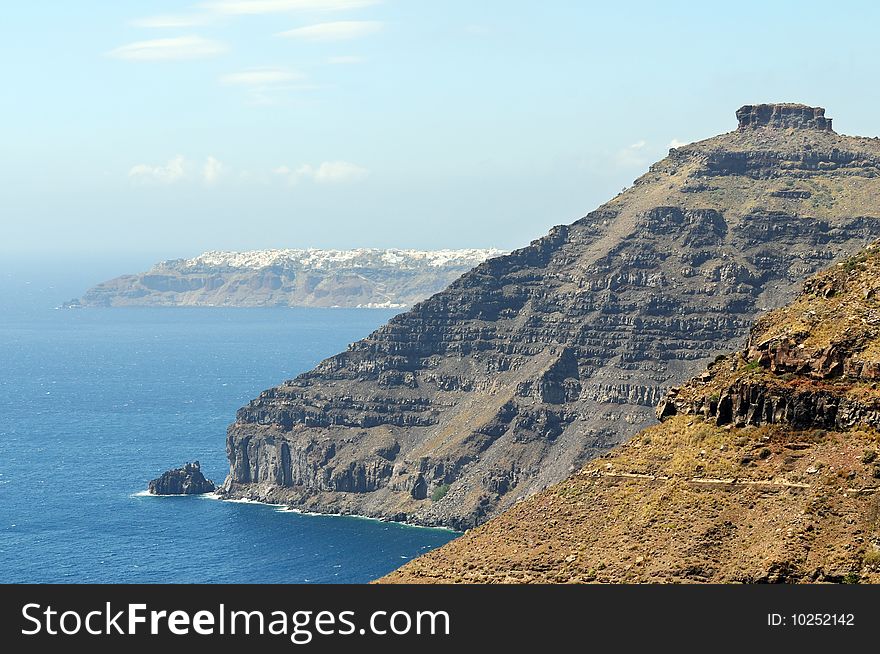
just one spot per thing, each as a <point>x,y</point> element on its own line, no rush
<point>811,365</point>
<point>187,480</point>
<point>535,362</point>
<point>764,469</point>
<point>686,502</point>
<point>784,115</point>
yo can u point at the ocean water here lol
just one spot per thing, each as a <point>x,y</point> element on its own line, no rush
<point>94,403</point>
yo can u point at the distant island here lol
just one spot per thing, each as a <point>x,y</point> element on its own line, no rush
<point>358,278</point>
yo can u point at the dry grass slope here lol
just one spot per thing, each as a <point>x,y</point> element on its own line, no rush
<point>760,491</point>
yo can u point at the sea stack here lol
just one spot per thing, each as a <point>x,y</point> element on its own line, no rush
<point>187,480</point>
<point>533,363</point>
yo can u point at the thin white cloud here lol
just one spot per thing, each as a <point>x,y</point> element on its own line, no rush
<point>328,172</point>
<point>181,47</point>
<point>292,175</point>
<point>345,60</point>
<point>238,7</point>
<point>212,171</point>
<point>675,143</point>
<point>632,156</point>
<point>169,173</point>
<point>172,21</point>
<point>341,30</point>
<point>262,77</point>
<point>179,169</point>
<point>266,86</point>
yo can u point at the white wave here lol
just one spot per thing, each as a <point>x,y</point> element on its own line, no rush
<point>292,509</point>
<point>284,508</point>
<point>146,493</point>
<point>247,500</point>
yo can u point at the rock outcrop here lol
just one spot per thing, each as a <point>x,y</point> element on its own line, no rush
<point>187,480</point>
<point>533,363</point>
<point>784,115</point>
<point>811,365</point>
<point>764,469</point>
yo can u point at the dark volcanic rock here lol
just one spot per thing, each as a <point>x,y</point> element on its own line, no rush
<point>797,116</point>
<point>535,362</point>
<point>812,365</point>
<point>187,480</point>
<point>768,474</point>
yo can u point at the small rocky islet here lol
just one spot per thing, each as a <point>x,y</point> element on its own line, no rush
<point>521,403</point>
<point>186,480</point>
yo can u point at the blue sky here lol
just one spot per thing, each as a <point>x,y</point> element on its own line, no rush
<point>160,129</point>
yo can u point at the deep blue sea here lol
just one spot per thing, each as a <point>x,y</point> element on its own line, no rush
<point>94,403</point>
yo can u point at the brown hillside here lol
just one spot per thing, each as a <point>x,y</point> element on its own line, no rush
<point>534,363</point>
<point>765,469</point>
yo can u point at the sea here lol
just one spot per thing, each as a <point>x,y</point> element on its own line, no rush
<point>96,402</point>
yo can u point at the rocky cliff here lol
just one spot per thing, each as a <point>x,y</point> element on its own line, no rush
<point>364,277</point>
<point>765,469</point>
<point>535,362</point>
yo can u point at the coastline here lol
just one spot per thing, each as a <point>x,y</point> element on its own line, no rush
<point>286,508</point>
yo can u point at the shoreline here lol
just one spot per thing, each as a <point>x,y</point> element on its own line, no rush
<point>285,508</point>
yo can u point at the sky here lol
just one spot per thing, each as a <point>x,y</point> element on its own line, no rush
<point>146,130</point>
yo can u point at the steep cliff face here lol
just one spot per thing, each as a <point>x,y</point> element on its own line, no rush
<point>765,469</point>
<point>813,364</point>
<point>533,363</point>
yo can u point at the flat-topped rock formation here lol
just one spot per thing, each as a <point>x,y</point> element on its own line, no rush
<point>535,362</point>
<point>783,116</point>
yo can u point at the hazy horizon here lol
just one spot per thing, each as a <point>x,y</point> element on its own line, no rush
<point>146,131</point>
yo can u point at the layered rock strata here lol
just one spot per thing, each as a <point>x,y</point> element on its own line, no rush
<point>533,363</point>
<point>765,469</point>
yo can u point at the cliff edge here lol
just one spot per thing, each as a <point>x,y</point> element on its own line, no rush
<point>535,362</point>
<point>765,469</point>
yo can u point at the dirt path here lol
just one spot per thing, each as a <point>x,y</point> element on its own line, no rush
<point>709,481</point>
